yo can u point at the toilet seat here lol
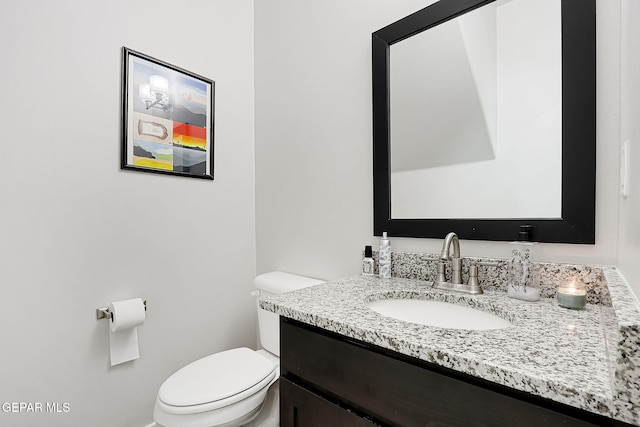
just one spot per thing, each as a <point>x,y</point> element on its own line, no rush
<point>216,381</point>
<point>232,388</point>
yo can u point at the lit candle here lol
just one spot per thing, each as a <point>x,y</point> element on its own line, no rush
<point>572,295</point>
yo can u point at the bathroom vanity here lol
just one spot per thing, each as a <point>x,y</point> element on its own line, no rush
<point>342,363</point>
<point>330,380</point>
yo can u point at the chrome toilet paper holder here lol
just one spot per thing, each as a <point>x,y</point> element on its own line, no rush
<point>103,312</point>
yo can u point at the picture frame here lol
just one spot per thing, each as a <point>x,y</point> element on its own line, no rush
<point>167,118</point>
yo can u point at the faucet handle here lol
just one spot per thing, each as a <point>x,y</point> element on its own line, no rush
<point>489,263</point>
<point>441,277</point>
<point>474,285</point>
<point>473,275</point>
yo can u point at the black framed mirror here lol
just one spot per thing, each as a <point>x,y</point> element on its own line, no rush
<point>576,153</point>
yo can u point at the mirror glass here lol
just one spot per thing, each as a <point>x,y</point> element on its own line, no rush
<point>484,120</point>
<point>476,102</point>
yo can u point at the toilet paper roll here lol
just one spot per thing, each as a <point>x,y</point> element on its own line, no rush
<point>126,316</point>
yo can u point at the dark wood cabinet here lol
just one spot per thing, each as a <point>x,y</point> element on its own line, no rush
<point>331,380</point>
<point>308,409</point>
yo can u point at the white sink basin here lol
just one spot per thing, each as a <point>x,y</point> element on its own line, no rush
<point>438,314</point>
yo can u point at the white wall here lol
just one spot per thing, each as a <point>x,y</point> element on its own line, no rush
<point>76,232</point>
<point>313,131</point>
<point>313,138</point>
<point>629,228</point>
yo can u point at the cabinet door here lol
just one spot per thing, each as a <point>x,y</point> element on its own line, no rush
<point>301,408</point>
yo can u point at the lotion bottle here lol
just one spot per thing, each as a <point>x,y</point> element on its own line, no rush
<point>384,257</point>
<point>523,280</point>
<point>367,262</point>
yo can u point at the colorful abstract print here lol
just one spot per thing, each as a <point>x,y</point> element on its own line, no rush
<point>173,136</point>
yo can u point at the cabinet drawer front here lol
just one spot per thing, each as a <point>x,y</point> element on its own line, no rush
<point>302,408</point>
<point>397,392</point>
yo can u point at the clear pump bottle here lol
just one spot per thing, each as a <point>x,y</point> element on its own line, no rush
<point>384,257</point>
<point>523,276</point>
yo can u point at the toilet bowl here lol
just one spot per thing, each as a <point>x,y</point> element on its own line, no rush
<point>230,388</point>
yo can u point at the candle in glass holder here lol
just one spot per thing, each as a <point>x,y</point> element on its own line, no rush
<point>572,294</point>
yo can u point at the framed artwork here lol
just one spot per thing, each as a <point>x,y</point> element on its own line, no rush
<point>167,118</point>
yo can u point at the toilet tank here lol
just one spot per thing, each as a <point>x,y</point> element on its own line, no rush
<point>273,283</point>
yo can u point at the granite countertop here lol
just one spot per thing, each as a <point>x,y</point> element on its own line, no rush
<point>560,354</point>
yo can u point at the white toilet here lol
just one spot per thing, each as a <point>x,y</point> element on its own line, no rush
<point>234,387</point>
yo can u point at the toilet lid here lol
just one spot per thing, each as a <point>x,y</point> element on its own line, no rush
<point>216,377</point>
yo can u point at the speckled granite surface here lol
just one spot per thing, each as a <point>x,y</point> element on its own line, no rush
<point>492,273</point>
<point>624,345</point>
<point>588,359</point>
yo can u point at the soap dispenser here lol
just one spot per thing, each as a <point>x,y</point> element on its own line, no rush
<point>384,257</point>
<point>367,262</point>
<point>523,280</point>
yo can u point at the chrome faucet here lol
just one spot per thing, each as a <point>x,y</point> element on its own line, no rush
<point>456,262</point>
<point>456,269</point>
